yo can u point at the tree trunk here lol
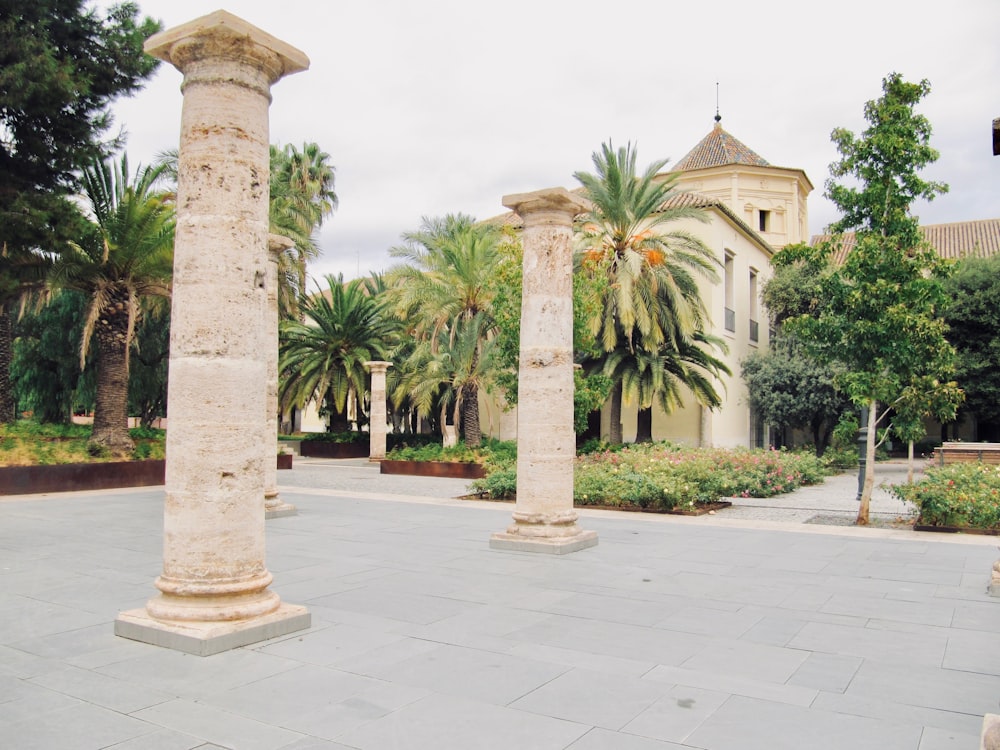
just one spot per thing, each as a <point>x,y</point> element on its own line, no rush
<point>909,463</point>
<point>644,426</point>
<point>470,416</point>
<point>111,403</point>
<point>869,484</point>
<point>615,429</point>
<point>8,409</point>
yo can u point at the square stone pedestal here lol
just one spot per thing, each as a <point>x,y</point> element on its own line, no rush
<point>280,511</point>
<point>552,545</point>
<point>207,638</point>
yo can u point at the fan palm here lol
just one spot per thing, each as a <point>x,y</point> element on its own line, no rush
<point>323,357</point>
<point>126,257</point>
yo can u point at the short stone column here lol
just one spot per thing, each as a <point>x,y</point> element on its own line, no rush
<point>214,591</point>
<point>544,518</point>
<point>376,424</point>
<point>995,579</point>
<point>274,506</point>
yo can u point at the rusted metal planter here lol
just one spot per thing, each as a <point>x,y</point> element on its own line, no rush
<point>319,449</point>
<point>285,461</point>
<point>447,469</point>
<point>26,480</point>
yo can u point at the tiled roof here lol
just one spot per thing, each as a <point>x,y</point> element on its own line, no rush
<point>958,240</point>
<point>719,149</point>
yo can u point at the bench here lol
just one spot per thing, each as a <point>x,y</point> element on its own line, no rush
<point>956,453</point>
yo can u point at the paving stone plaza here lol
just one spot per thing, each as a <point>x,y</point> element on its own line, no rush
<point>748,629</point>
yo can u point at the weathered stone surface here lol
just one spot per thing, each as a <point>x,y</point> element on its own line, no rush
<point>991,733</point>
<point>377,425</point>
<point>223,345</point>
<point>544,519</point>
<point>274,506</point>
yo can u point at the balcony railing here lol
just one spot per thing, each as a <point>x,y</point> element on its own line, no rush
<point>754,331</point>
<point>730,320</point>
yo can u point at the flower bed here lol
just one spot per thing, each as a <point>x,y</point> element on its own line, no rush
<point>664,477</point>
<point>24,480</point>
<point>956,497</point>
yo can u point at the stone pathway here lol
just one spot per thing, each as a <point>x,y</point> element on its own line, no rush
<point>674,633</point>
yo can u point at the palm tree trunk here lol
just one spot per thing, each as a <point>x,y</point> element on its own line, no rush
<point>615,430</point>
<point>470,416</point>
<point>644,426</point>
<point>8,409</point>
<point>111,402</point>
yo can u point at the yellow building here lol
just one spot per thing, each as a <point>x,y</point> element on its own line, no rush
<point>754,209</point>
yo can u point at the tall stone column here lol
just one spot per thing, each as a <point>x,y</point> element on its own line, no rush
<point>274,506</point>
<point>544,518</point>
<point>214,591</point>
<point>376,425</point>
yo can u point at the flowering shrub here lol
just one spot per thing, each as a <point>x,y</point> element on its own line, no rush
<point>664,476</point>
<point>956,495</point>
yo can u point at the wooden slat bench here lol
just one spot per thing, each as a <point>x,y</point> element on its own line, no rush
<point>954,453</point>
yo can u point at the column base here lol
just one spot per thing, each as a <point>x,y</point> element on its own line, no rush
<point>207,638</point>
<point>280,510</point>
<point>552,545</point>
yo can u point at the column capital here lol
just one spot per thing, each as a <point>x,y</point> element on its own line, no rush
<point>548,206</point>
<point>377,365</point>
<point>277,244</point>
<point>223,34</point>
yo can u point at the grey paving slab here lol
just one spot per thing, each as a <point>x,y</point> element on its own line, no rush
<point>877,645</point>
<point>675,716</point>
<point>602,700</point>
<point>602,739</point>
<point>831,673</point>
<point>750,724</point>
<point>927,687</point>
<point>221,727</point>
<point>706,633</point>
<point>945,739</point>
<point>101,690</point>
<point>80,726</point>
<point>734,685</point>
<point>453,723</point>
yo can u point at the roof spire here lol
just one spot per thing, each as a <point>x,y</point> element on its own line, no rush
<point>718,117</point>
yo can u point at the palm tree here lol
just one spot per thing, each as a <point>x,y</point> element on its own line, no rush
<point>444,376</point>
<point>661,377</point>
<point>302,196</point>
<point>126,257</point>
<point>651,302</point>
<point>443,287</point>
<point>322,356</point>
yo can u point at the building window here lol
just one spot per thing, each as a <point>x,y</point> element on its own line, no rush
<point>764,221</point>
<point>730,318</point>
<point>754,327</point>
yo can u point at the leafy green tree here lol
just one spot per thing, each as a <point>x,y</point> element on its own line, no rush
<point>126,257</point>
<point>973,292</point>
<point>790,390</point>
<point>148,363</point>
<point>322,356</point>
<point>61,66</point>
<point>591,389</point>
<point>45,367</point>
<point>879,318</point>
<point>650,302</point>
<point>443,285</point>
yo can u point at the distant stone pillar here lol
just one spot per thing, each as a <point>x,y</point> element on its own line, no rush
<point>214,591</point>
<point>995,579</point>
<point>544,518</point>
<point>376,425</point>
<point>274,506</point>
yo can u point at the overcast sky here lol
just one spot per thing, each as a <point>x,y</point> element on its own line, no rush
<point>438,106</point>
